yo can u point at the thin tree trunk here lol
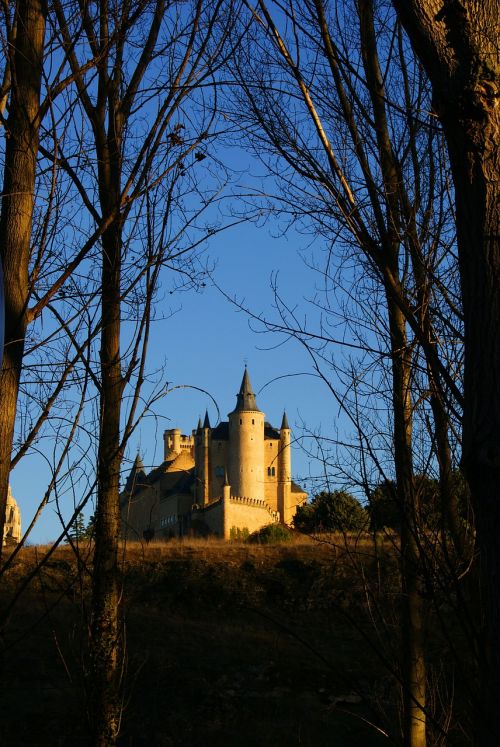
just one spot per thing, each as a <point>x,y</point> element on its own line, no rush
<point>106,639</point>
<point>413,669</point>
<point>106,633</point>
<point>22,137</point>
<point>448,495</point>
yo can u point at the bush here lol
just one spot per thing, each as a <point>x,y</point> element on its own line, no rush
<point>338,511</point>
<point>384,509</point>
<point>239,535</point>
<point>272,534</point>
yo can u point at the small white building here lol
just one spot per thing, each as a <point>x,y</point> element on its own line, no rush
<point>12,527</point>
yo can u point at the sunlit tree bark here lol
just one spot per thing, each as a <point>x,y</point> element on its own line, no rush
<point>22,140</point>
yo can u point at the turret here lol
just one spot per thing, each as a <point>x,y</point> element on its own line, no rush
<point>171,442</point>
<point>226,511</point>
<point>226,488</point>
<point>137,476</point>
<point>285,473</point>
<point>202,461</point>
<point>246,444</point>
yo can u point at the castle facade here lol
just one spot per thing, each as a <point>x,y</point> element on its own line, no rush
<point>226,481</point>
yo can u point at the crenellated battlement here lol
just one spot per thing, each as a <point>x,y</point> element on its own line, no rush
<point>255,502</point>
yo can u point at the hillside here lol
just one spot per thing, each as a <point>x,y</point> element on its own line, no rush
<point>226,644</point>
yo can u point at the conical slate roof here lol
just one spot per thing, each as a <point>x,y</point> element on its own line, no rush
<point>245,399</point>
<point>137,474</point>
<point>284,422</point>
<point>206,422</point>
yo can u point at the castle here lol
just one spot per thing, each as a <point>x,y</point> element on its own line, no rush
<point>226,481</point>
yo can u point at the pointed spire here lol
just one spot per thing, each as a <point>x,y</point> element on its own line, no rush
<point>226,478</point>
<point>245,399</point>
<point>138,465</point>
<point>137,475</point>
<point>199,426</point>
<point>206,422</point>
<point>246,387</point>
<point>284,422</point>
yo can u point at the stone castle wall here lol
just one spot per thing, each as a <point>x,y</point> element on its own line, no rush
<point>247,513</point>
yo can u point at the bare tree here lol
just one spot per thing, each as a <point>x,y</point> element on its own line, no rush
<point>457,43</point>
<point>23,74</point>
<point>122,133</point>
<point>146,118</point>
<point>335,104</point>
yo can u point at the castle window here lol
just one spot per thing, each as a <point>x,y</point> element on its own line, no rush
<point>241,421</point>
<point>253,421</point>
<point>271,471</point>
<point>219,471</point>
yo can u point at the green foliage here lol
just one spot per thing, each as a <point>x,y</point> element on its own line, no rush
<point>81,531</point>
<point>385,512</point>
<point>338,511</point>
<point>239,535</point>
<point>89,529</point>
<point>383,508</point>
<point>78,530</point>
<point>272,534</point>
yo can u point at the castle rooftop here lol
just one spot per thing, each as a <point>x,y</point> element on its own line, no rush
<point>245,399</point>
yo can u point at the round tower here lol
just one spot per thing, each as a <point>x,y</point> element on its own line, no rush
<point>246,444</point>
<point>171,442</point>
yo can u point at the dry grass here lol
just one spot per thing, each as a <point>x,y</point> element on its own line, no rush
<point>227,643</point>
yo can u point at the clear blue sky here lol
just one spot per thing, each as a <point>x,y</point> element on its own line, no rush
<point>205,344</point>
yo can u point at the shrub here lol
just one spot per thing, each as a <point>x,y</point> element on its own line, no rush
<point>384,509</point>
<point>338,511</point>
<point>239,535</point>
<point>272,534</point>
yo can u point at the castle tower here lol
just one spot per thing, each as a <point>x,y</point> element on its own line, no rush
<point>285,473</point>
<point>171,442</point>
<point>202,461</point>
<point>246,444</point>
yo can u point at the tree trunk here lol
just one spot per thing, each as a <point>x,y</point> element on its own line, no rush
<point>106,648</point>
<point>457,43</point>
<point>22,135</point>
<point>413,672</point>
<point>478,228</point>
<point>106,633</point>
